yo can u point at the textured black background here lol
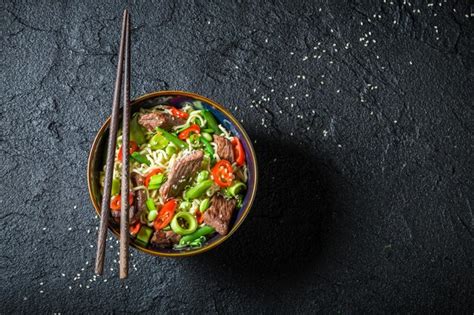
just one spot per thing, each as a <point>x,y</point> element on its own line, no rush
<point>362,117</point>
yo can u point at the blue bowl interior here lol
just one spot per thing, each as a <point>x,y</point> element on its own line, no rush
<point>222,118</point>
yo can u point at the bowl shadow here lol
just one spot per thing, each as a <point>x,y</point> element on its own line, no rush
<point>282,236</point>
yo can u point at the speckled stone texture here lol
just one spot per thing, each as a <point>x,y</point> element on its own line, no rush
<point>362,118</point>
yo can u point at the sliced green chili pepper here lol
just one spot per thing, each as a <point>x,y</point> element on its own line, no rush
<point>236,187</point>
<point>211,121</point>
<point>202,176</point>
<point>156,181</point>
<point>185,205</point>
<point>115,190</point>
<point>172,138</point>
<point>204,205</point>
<point>143,236</point>
<point>184,223</point>
<point>205,230</point>
<point>207,147</point>
<point>152,215</point>
<point>170,150</point>
<point>150,204</point>
<point>136,131</point>
<point>158,142</point>
<point>140,158</point>
<point>198,190</point>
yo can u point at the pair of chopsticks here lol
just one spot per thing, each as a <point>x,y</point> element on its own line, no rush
<point>122,66</point>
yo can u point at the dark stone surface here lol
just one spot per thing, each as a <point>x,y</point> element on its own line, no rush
<point>362,117</point>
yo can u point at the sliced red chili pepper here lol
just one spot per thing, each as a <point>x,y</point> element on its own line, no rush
<point>165,215</point>
<point>150,174</point>
<point>116,202</point>
<point>239,153</point>
<point>178,113</point>
<point>133,147</point>
<point>222,173</point>
<point>183,135</point>
<point>134,229</point>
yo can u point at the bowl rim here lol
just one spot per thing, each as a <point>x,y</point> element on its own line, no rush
<point>216,105</point>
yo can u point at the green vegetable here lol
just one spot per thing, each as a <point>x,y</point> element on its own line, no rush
<point>207,130</point>
<point>158,142</point>
<point>197,104</point>
<point>194,138</point>
<point>206,136</point>
<point>140,158</point>
<point>202,176</point>
<point>184,223</point>
<point>211,121</point>
<point>172,138</point>
<point>204,205</point>
<point>156,181</point>
<point>198,190</point>
<point>185,205</point>
<point>170,150</point>
<point>240,200</point>
<point>207,147</point>
<point>198,242</point>
<point>143,236</point>
<point>236,187</point>
<point>115,190</point>
<point>152,215</point>
<point>150,204</point>
<point>136,131</point>
<point>205,230</point>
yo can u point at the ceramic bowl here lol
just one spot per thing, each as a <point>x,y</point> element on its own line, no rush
<point>176,98</point>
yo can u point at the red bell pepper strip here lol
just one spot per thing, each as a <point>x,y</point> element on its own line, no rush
<point>239,153</point>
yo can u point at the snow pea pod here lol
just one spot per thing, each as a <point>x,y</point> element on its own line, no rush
<point>198,190</point>
<point>140,158</point>
<point>207,147</point>
<point>172,138</point>
<point>205,230</point>
<point>211,121</point>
